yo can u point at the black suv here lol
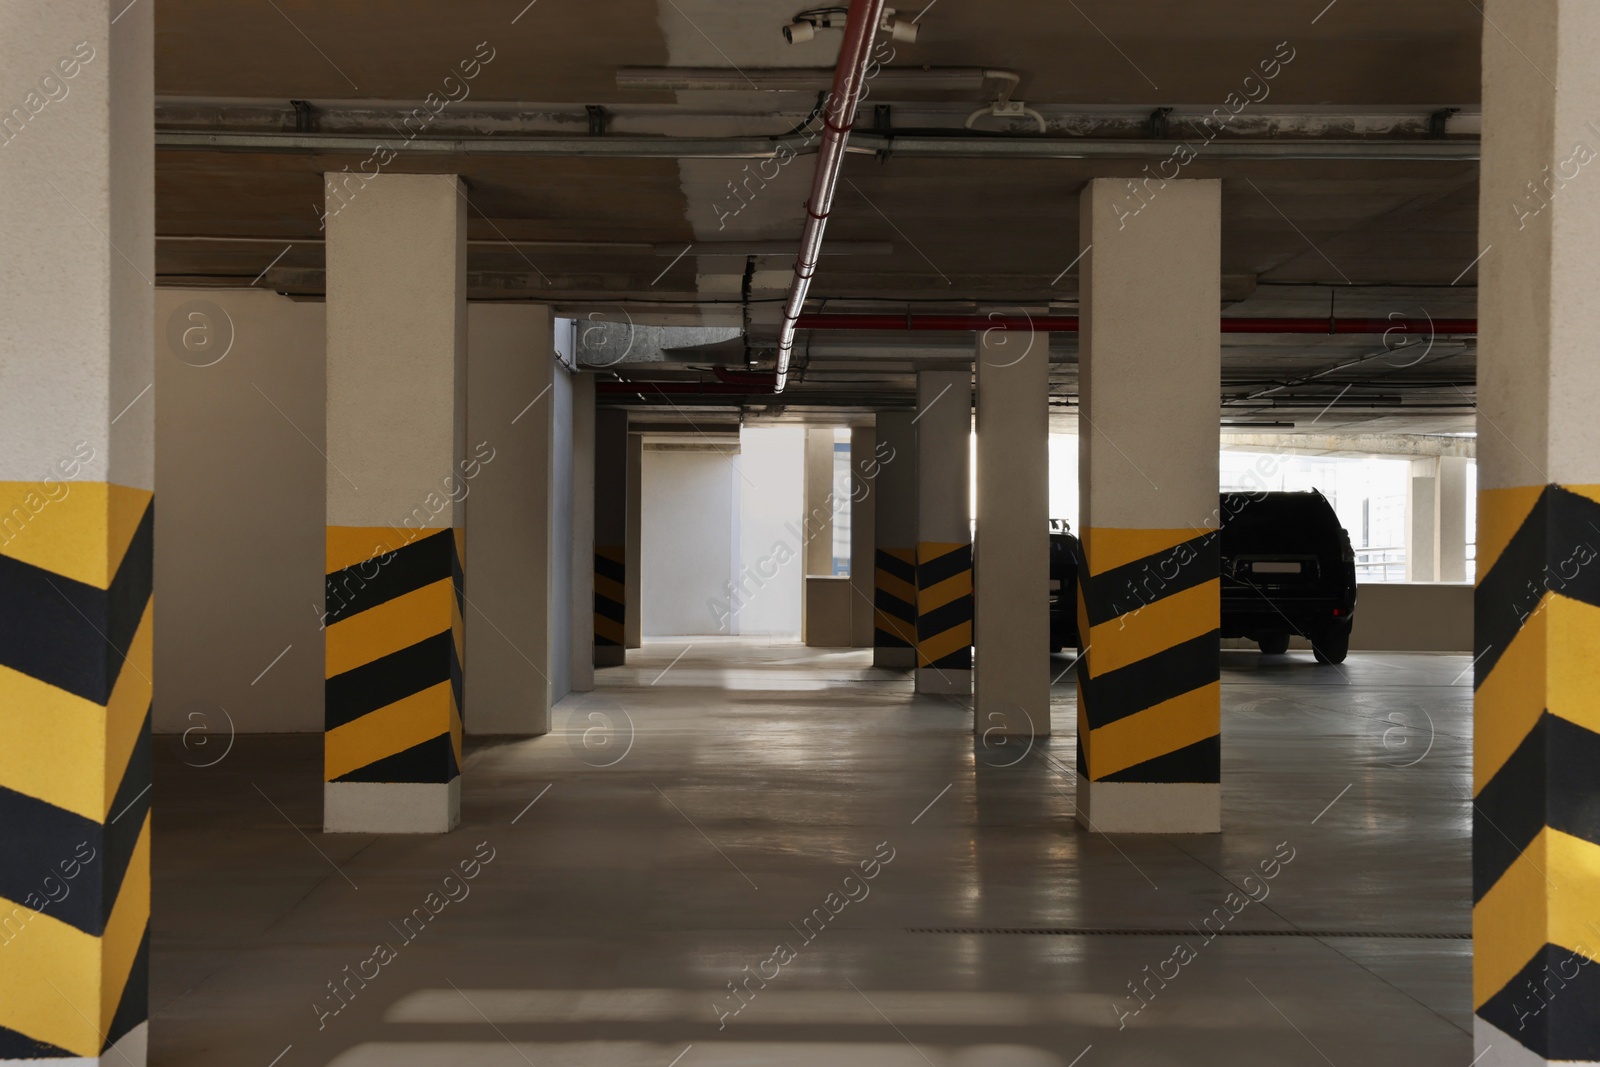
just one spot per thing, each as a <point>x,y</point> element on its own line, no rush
<point>1287,568</point>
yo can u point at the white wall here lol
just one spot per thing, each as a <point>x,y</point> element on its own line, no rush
<point>239,547</point>
<point>772,461</point>
<point>687,545</point>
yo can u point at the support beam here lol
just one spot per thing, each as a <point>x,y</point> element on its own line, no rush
<point>1450,528</point>
<point>1536,735</point>
<point>580,611</point>
<point>894,632</point>
<point>76,536</point>
<point>863,516</point>
<point>1011,547</point>
<point>1149,609</point>
<point>944,532</point>
<point>1422,521</point>
<point>633,621</point>
<point>398,470</point>
<point>611,575</point>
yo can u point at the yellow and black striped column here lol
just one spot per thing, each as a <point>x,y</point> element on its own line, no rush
<point>75,703</point>
<point>1149,680</point>
<point>895,602</point>
<point>1536,772</point>
<point>943,428</point>
<point>610,603</point>
<point>944,610</point>
<point>894,530</point>
<point>398,480</point>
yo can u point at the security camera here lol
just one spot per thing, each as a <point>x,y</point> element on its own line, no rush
<point>799,31</point>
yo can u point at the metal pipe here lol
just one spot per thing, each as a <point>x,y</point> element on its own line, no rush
<point>1069,324</point>
<point>849,75</point>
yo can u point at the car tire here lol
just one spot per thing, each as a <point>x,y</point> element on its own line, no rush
<point>1332,645</point>
<point>1273,644</point>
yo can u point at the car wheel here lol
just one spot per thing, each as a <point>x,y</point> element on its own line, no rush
<point>1274,644</point>
<point>1332,645</point>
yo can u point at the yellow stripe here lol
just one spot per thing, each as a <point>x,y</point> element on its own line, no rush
<point>610,589</point>
<point>1546,896</point>
<point>389,627</point>
<point>390,729</point>
<point>901,628</point>
<point>1592,492</point>
<point>68,751</point>
<point>1573,660</point>
<point>455,728</point>
<point>458,631</point>
<point>941,645</point>
<point>1501,513</point>
<point>608,628</point>
<point>897,587</point>
<point>1109,546</point>
<point>1511,699</point>
<point>349,545</point>
<point>1157,730</point>
<point>80,530</point>
<point>1155,627</point>
<point>937,596</point>
<point>59,982</point>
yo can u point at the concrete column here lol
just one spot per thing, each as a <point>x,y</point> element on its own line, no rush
<point>398,470</point>
<point>818,521</point>
<point>1536,735</point>
<point>517,393</point>
<point>1422,521</point>
<point>863,510</point>
<point>610,536</point>
<point>1450,529</point>
<point>1011,546</point>
<point>76,531</point>
<point>633,623</point>
<point>944,532</point>
<point>581,551</point>
<point>1149,694</point>
<point>894,634</point>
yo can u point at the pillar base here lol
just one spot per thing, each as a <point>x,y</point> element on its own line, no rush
<point>894,659</point>
<point>1150,807</point>
<point>1495,1048</point>
<point>130,1050</point>
<point>610,656</point>
<point>937,681</point>
<point>391,807</point>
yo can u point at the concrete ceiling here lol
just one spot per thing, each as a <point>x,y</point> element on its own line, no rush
<point>1382,236</point>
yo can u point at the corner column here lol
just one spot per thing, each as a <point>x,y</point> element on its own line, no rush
<point>76,530</point>
<point>1536,723</point>
<point>864,469</point>
<point>611,579</point>
<point>398,470</point>
<point>1012,542</point>
<point>944,532</point>
<point>633,619</point>
<point>1149,607</point>
<point>894,626</point>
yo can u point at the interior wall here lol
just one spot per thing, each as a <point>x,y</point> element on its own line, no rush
<point>239,543</point>
<point>687,547</point>
<point>770,585</point>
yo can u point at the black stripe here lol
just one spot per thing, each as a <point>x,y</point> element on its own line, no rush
<point>134,1006</point>
<point>15,1046</point>
<point>1552,1006</point>
<point>616,570</point>
<point>1144,581</point>
<point>933,571</point>
<point>374,685</point>
<point>884,639</point>
<point>959,660</point>
<point>431,762</point>
<point>1547,781</point>
<point>1199,762</point>
<point>458,576</point>
<point>68,633</point>
<point>607,608</point>
<point>458,680</point>
<point>1510,590</point>
<point>128,810</point>
<point>606,642</point>
<point>893,606</point>
<point>382,578</point>
<point>1147,682</point>
<point>897,567</point>
<point>945,617</point>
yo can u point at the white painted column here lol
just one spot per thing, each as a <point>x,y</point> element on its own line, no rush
<point>817,522</point>
<point>581,554</point>
<point>633,623</point>
<point>1149,701</point>
<point>517,392</point>
<point>864,468</point>
<point>1536,737</point>
<point>1011,546</point>
<point>944,532</point>
<point>1451,526</point>
<point>895,532</point>
<point>398,470</point>
<point>1422,521</point>
<point>76,530</point>
<point>611,577</point>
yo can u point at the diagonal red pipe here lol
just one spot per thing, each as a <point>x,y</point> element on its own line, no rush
<point>849,75</point>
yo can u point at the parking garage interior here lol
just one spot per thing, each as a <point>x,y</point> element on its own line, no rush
<point>529,534</point>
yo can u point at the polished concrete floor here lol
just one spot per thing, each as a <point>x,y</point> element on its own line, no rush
<point>708,821</point>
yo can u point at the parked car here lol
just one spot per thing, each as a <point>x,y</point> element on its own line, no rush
<point>1287,569</point>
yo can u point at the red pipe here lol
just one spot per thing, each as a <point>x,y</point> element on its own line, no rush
<point>681,389</point>
<point>1069,324</point>
<point>849,75</point>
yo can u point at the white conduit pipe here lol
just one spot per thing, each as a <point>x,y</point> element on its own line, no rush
<point>861,27</point>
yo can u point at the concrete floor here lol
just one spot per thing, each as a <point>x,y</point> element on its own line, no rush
<point>699,807</point>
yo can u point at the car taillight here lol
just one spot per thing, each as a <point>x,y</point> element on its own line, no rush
<point>1337,612</point>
